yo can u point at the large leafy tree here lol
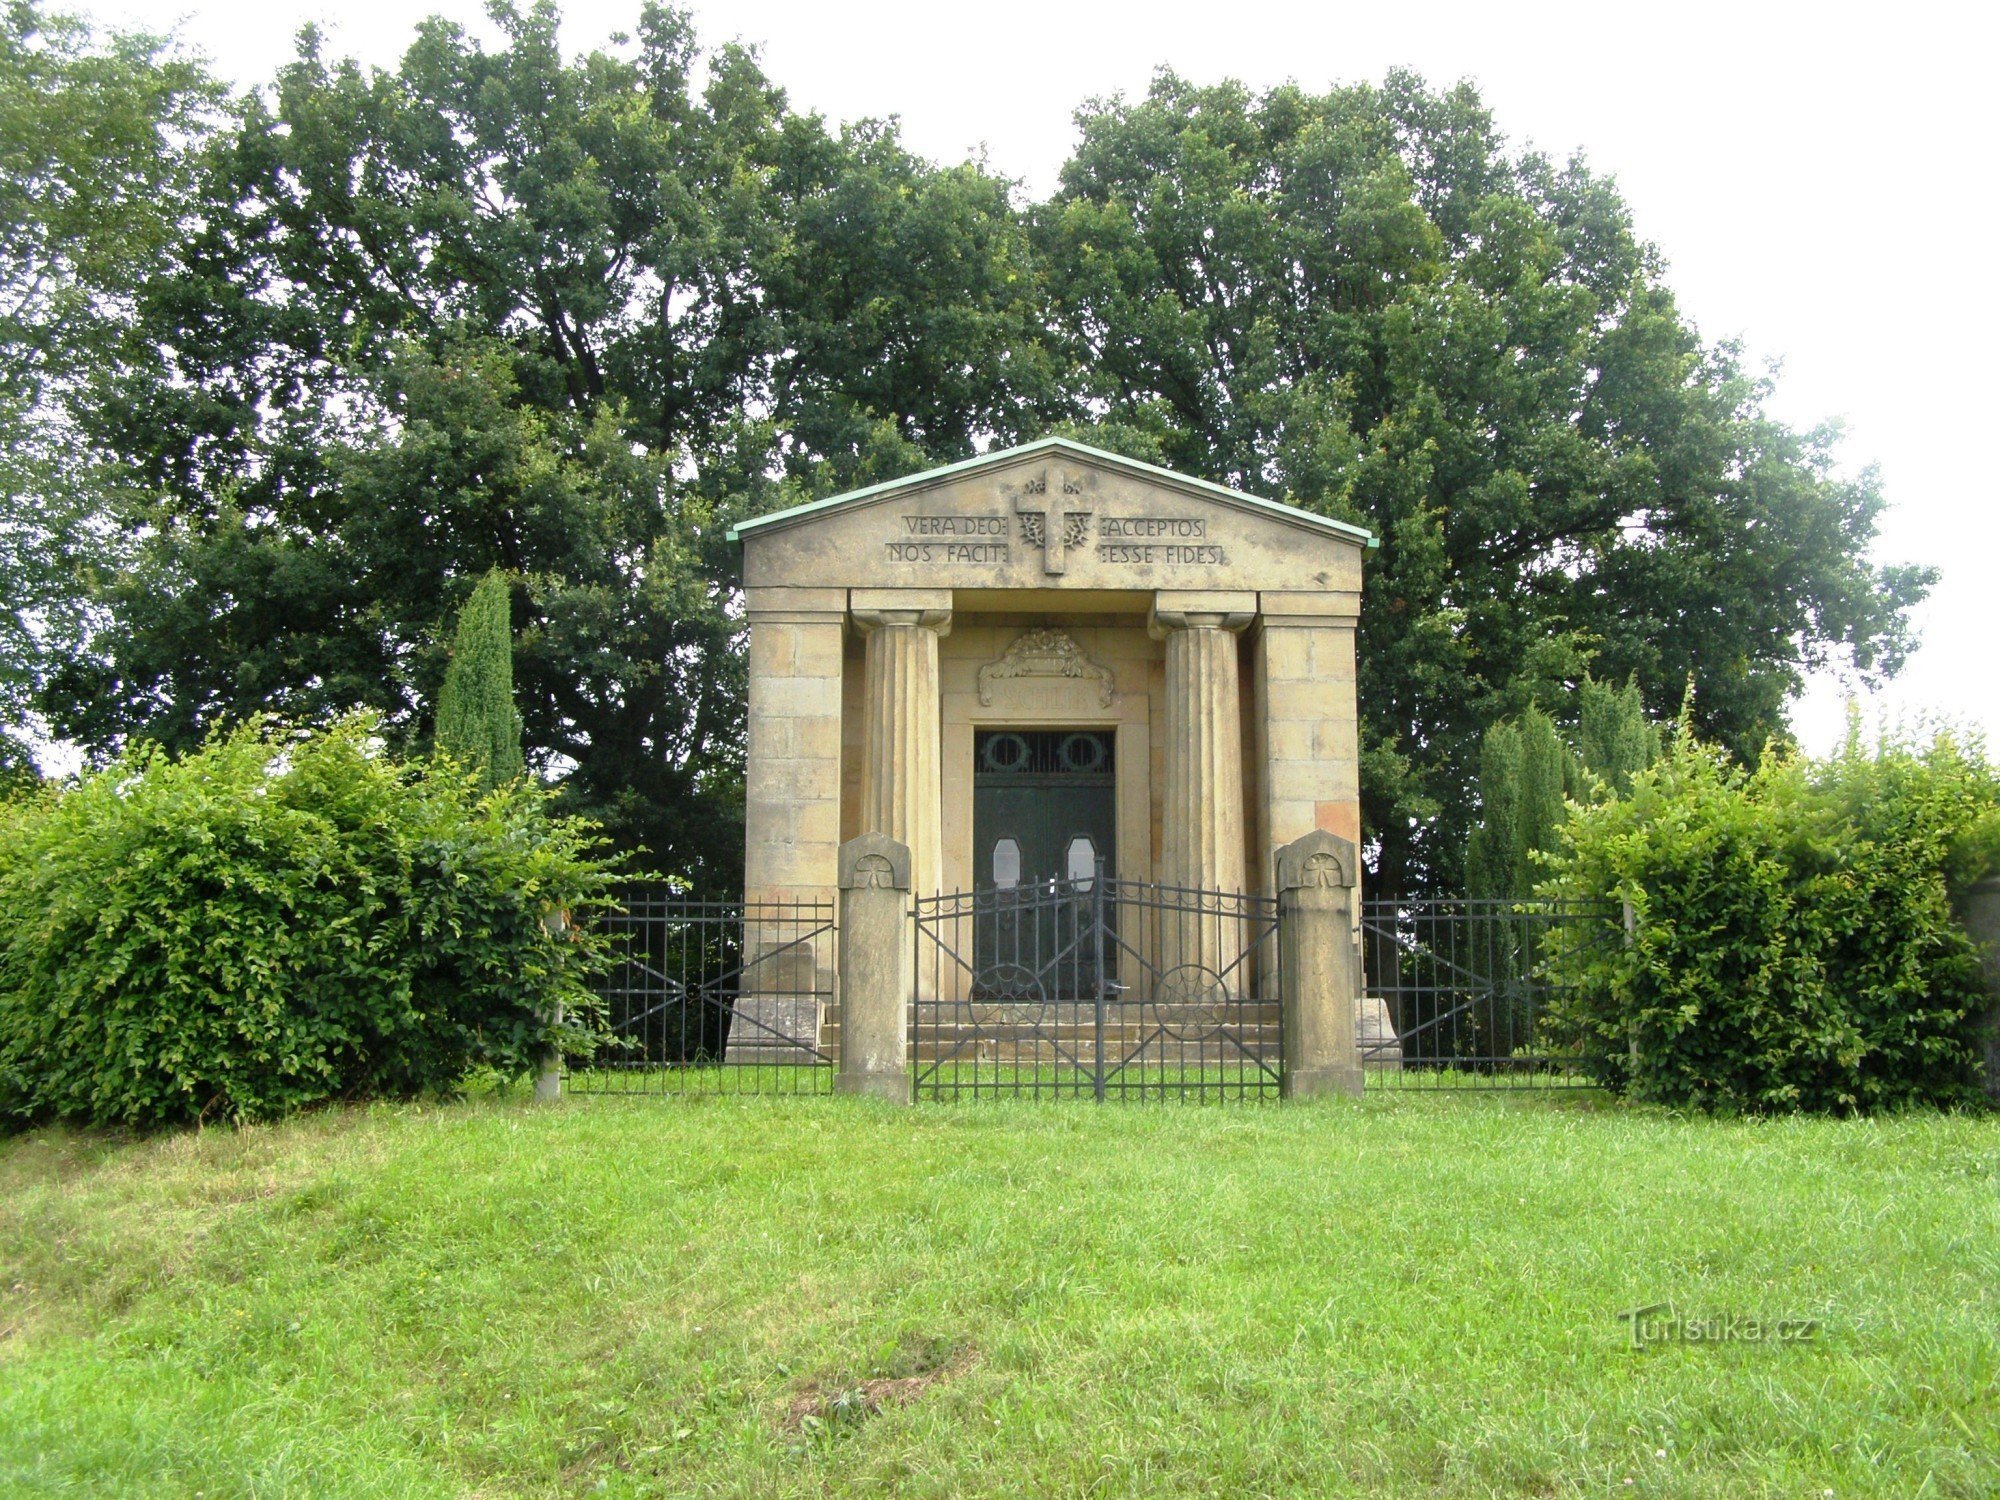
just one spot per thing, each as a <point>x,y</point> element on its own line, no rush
<point>567,317</point>
<point>96,141</point>
<point>1361,300</point>
<point>562,317</point>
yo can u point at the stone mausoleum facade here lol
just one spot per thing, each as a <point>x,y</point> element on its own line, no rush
<point>1043,659</point>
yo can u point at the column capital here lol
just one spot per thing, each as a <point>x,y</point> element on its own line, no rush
<point>868,621</point>
<point>1190,609</point>
<point>874,608</point>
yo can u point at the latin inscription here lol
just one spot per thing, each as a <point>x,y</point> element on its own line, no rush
<point>1141,553</point>
<point>955,525</point>
<point>1129,527</point>
<point>978,540</point>
<point>948,552</point>
<point>1129,541</point>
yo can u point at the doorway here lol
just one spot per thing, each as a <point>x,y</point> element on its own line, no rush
<point>1043,806</point>
<point>1044,821</point>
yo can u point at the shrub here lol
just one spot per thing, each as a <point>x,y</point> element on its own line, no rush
<point>277,920</point>
<point>1796,947</point>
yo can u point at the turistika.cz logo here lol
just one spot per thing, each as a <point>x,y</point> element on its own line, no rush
<point>1662,1323</point>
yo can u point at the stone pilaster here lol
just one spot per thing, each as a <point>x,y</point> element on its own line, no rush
<point>901,788</point>
<point>1201,815</point>
<point>791,820</point>
<point>792,773</point>
<point>1306,720</point>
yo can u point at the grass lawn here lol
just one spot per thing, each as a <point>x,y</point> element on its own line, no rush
<point>1414,1294</point>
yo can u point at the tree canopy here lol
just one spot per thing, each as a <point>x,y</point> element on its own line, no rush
<point>570,316</point>
<point>95,173</point>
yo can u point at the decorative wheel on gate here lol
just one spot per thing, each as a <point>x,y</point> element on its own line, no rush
<point>1008,995</point>
<point>1193,1002</point>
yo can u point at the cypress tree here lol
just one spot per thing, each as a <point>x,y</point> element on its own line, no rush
<point>1492,855</point>
<point>476,721</point>
<point>1542,812</point>
<point>1524,768</point>
<point>1616,738</point>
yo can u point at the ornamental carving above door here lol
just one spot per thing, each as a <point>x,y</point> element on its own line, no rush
<point>1045,653</point>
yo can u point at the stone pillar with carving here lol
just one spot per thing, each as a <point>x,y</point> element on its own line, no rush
<point>1317,878</point>
<point>901,787</point>
<point>877,965</point>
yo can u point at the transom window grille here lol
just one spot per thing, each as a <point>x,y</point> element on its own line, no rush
<point>1045,752</point>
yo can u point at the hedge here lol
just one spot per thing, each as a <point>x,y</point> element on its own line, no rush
<point>279,919</point>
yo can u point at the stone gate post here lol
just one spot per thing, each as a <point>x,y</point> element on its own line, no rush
<point>877,968</point>
<point>1317,877</point>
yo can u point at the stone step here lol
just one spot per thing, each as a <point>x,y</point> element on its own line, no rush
<point>1152,1059</point>
<point>955,1015</point>
<point>1130,1034</point>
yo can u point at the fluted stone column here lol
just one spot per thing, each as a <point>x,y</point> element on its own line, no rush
<point>1201,815</point>
<point>1201,812</point>
<point>901,788</point>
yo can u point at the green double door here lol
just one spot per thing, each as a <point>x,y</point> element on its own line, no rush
<point>1044,818</point>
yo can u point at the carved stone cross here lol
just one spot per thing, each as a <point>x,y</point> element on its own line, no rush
<point>1046,520</point>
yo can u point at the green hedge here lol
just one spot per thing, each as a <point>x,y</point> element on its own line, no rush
<point>277,920</point>
<point>1796,944</point>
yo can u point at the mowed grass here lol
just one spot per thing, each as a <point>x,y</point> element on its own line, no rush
<point>1407,1295</point>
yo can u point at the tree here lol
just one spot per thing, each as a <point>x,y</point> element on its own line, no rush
<point>1362,302</point>
<point>476,722</point>
<point>1528,775</point>
<point>96,136</point>
<point>1493,852</point>
<point>1615,739</point>
<point>568,318</point>
<point>1521,777</point>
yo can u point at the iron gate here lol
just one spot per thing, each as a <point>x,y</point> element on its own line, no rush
<point>1096,988</point>
<point>1456,990</point>
<point>729,996</point>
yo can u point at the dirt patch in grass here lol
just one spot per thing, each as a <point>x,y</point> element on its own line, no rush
<point>829,1406</point>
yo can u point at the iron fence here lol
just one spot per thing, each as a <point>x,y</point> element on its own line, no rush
<point>1096,988</point>
<point>728,996</point>
<point>1457,991</point>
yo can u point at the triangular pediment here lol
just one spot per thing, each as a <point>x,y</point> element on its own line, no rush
<point>1051,514</point>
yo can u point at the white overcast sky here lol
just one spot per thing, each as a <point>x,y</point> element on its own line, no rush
<point>1819,177</point>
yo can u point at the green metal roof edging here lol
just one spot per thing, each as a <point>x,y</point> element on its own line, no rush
<point>932,476</point>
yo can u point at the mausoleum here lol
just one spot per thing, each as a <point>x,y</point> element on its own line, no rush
<point>1043,659</point>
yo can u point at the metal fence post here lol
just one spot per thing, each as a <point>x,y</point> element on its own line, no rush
<point>548,1082</point>
<point>877,968</point>
<point>1317,876</point>
<point>548,1078</point>
<point>1097,963</point>
<point>1631,921</point>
